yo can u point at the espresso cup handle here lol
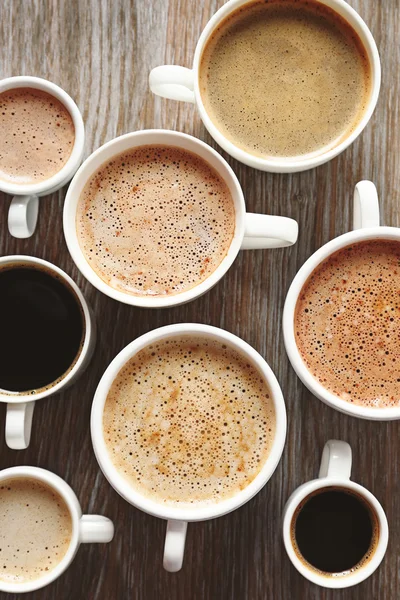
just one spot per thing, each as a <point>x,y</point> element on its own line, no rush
<point>173,82</point>
<point>366,205</point>
<point>267,231</point>
<point>174,548</point>
<point>336,460</point>
<point>23,215</point>
<point>19,424</point>
<point>95,529</point>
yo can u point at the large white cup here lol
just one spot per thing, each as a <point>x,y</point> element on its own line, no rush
<point>20,405</point>
<point>180,83</point>
<point>86,529</point>
<point>335,472</point>
<point>251,230</point>
<point>177,517</point>
<point>23,213</point>
<point>365,227</point>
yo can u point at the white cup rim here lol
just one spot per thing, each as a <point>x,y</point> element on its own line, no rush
<point>17,397</point>
<point>122,486</point>
<point>66,172</point>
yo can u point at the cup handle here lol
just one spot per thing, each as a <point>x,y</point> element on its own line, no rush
<point>19,424</point>
<point>95,529</point>
<point>366,205</point>
<point>267,231</point>
<point>174,548</point>
<point>336,460</point>
<point>23,215</point>
<point>175,83</point>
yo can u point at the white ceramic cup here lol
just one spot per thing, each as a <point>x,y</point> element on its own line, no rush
<point>177,517</point>
<point>251,230</point>
<point>20,405</point>
<point>180,83</point>
<point>335,471</point>
<point>365,227</point>
<point>86,529</point>
<point>23,213</point>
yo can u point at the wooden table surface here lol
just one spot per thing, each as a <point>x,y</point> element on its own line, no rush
<point>100,52</point>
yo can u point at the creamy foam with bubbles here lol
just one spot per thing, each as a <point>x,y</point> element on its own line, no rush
<point>37,135</point>
<point>189,421</point>
<point>35,529</point>
<point>155,220</point>
<point>285,78</point>
<point>347,323</point>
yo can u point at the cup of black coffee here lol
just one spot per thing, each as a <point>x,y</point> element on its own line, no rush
<point>48,338</point>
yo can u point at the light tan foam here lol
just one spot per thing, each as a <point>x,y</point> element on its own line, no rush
<point>347,323</point>
<point>155,220</point>
<point>189,421</point>
<point>37,136</point>
<point>285,78</point>
<point>35,529</point>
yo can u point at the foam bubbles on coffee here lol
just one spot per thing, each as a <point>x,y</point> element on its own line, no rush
<point>189,421</point>
<point>155,220</point>
<point>347,323</point>
<point>35,529</point>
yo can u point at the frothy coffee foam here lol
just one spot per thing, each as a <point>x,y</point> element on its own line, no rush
<point>285,78</point>
<point>35,529</point>
<point>155,220</point>
<point>37,135</point>
<point>189,421</point>
<point>347,323</point>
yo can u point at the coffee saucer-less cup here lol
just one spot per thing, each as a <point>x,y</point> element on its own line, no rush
<point>335,471</point>
<point>86,529</point>
<point>365,227</point>
<point>23,212</point>
<point>178,517</point>
<point>181,83</point>
<point>20,405</point>
<point>252,231</point>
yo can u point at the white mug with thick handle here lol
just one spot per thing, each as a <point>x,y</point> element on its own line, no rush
<point>177,517</point>
<point>335,471</point>
<point>23,212</point>
<point>365,227</point>
<point>20,405</point>
<point>86,529</point>
<point>181,83</point>
<point>251,230</point>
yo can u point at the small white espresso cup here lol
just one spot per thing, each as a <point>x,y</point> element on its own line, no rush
<point>365,227</point>
<point>23,213</point>
<point>180,83</point>
<point>335,471</point>
<point>20,405</point>
<point>251,230</point>
<point>177,517</point>
<point>86,529</point>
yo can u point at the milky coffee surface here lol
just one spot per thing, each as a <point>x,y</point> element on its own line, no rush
<point>347,323</point>
<point>37,136</point>
<point>285,78</point>
<point>155,221</point>
<point>189,421</point>
<point>35,530</point>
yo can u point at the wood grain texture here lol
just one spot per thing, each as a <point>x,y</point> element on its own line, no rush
<point>101,51</point>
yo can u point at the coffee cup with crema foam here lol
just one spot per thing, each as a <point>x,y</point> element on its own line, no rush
<point>204,433</point>
<point>340,319</point>
<point>42,142</point>
<point>334,530</point>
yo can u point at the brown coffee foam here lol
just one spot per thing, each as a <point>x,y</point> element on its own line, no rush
<point>35,529</point>
<point>347,323</point>
<point>285,78</point>
<point>189,421</point>
<point>37,135</point>
<point>155,220</point>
